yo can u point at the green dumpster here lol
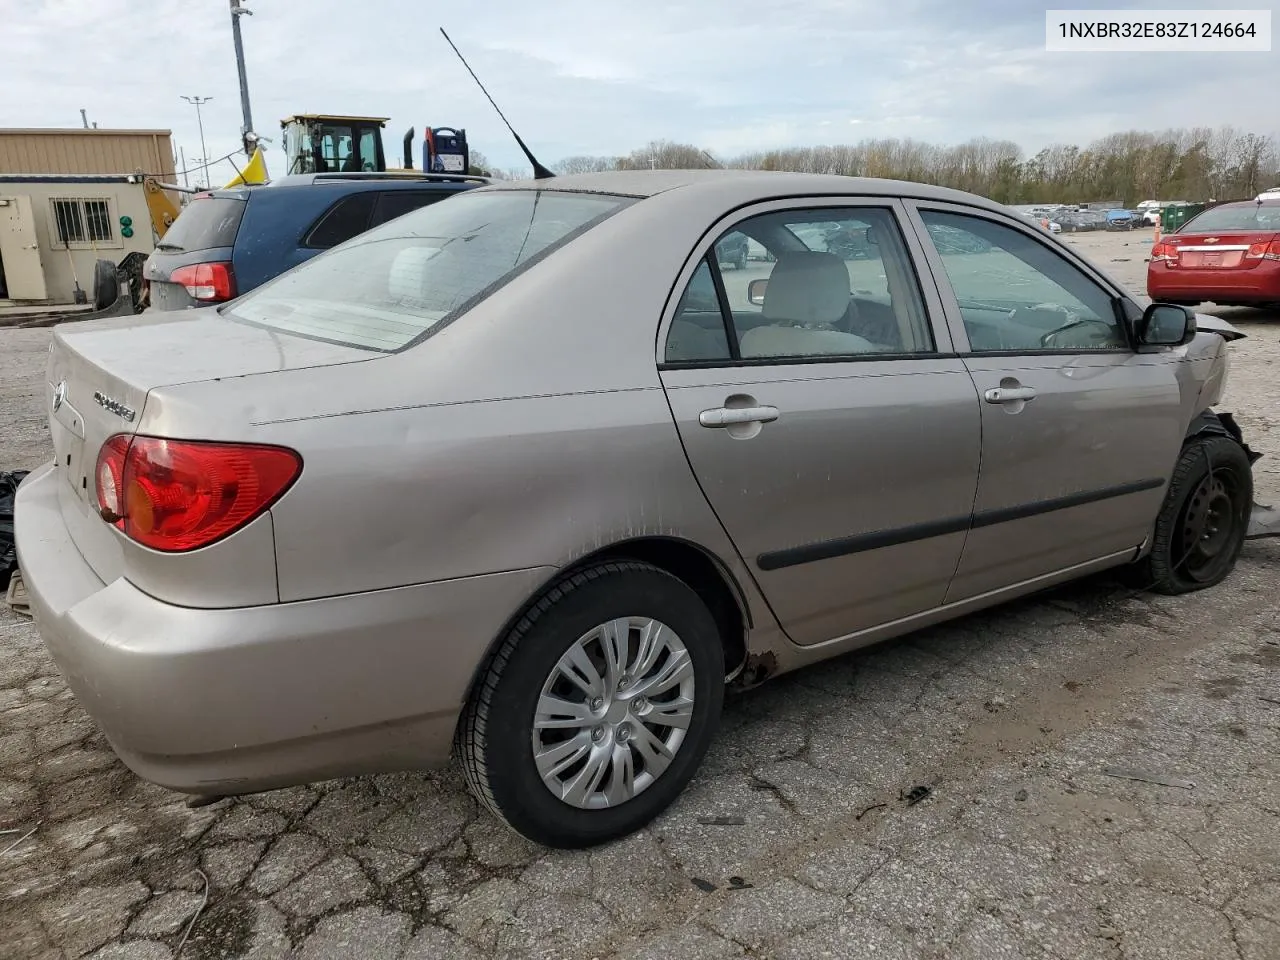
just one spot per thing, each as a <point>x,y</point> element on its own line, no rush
<point>1171,218</point>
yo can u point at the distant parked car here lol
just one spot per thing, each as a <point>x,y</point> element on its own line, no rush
<point>227,242</point>
<point>850,241</point>
<point>1228,254</point>
<point>733,249</point>
<point>1120,220</point>
<point>1082,220</point>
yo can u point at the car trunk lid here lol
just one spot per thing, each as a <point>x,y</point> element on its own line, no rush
<point>1226,250</point>
<point>100,373</point>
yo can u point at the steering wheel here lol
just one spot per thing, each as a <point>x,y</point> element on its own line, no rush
<point>1106,329</point>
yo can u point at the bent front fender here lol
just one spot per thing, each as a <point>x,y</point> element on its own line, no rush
<point>1209,422</point>
<point>1264,521</point>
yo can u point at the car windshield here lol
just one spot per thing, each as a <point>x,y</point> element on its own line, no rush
<point>407,279</point>
<point>1254,216</point>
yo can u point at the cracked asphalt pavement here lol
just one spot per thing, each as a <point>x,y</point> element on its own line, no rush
<point>1038,728</point>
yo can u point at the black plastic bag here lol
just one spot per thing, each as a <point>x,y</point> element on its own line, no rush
<point>9,480</point>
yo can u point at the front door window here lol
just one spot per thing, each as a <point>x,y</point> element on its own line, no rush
<point>1015,294</point>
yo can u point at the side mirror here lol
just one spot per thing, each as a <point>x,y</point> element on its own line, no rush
<point>1166,325</point>
<point>755,291</point>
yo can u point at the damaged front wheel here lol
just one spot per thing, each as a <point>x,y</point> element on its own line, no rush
<point>1201,526</point>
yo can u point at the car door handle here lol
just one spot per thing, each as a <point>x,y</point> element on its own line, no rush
<point>728,416</point>
<point>1009,394</point>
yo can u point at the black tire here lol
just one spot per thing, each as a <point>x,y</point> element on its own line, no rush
<point>1211,490</point>
<point>494,737</point>
<point>106,286</point>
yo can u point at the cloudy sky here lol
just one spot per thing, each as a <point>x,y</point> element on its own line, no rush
<point>604,77</point>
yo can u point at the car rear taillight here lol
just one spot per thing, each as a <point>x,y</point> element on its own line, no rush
<point>211,282</point>
<point>109,478</point>
<point>1264,251</point>
<point>176,495</point>
<point>1164,252</point>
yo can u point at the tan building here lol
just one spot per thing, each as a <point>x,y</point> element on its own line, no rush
<point>69,198</point>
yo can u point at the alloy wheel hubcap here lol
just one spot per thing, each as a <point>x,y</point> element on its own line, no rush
<point>613,713</point>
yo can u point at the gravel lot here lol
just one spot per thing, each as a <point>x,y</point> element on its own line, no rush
<point>1023,848</point>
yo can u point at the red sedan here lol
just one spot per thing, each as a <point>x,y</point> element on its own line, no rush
<point>1230,255</point>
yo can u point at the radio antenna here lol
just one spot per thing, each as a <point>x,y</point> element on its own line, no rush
<point>539,171</point>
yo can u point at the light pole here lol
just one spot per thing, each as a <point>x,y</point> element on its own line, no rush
<point>203,149</point>
<point>238,11</point>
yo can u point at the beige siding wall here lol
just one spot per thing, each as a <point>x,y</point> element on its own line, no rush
<point>123,199</point>
<point>86,151</point>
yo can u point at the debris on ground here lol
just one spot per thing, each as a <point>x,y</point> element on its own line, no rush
<point>16,596</point>
<point>1144,777</point>
<point>738,883</point>
<point>1021,795</point>
<point>15,843</point>
<point>706,886</point>
<point>916,794</point>
<point>203,800</point>
<point>204,900</point>
<point>866,810</point>
<point>1263,522</point>
<point>9,480</point>
<point>722,821</point>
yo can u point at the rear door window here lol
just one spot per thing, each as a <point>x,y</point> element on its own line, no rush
<point>342,221</point>
<point>396,203</point>
<point>205,223</point>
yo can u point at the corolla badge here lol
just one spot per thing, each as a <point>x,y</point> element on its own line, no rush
<point>59,395</point>
<point>112,404</point>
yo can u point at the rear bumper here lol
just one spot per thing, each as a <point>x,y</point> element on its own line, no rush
<point>251,698</point>
<point>1260,284</point>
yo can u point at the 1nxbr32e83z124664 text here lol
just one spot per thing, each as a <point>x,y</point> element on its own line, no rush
<point>1155,31</point>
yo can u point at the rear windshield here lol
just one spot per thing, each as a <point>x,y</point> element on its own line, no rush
<point>1265,216</point>
<point>205,223</point>
<point>408,278</point>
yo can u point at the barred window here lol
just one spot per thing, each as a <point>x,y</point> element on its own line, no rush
<point>82,220</point>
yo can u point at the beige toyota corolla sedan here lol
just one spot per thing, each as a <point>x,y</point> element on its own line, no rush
<point>526,477</point>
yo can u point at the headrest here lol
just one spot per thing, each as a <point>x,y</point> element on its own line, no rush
<point>406,280</point>
<point>807,287</point>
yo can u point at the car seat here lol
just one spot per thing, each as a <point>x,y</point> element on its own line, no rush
<point>806,288</point>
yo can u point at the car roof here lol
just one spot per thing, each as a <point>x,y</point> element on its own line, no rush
<point>354,183</point>
<point>1268,203</point>
<point>378,181</point>
<point>745,185</point>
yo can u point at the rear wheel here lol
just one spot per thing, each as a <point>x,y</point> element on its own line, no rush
<point>596,709</point>
<point>1201,526</point>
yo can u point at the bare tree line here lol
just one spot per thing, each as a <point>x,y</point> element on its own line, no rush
<point>1198,163</point>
